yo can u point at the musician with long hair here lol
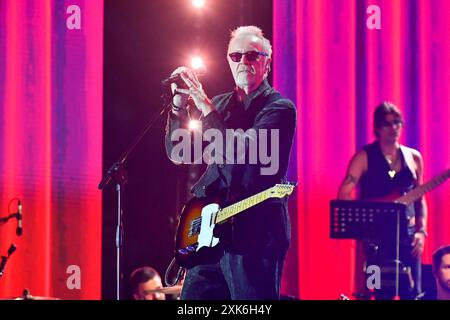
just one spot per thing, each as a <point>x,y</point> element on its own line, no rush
<point>382,168</point>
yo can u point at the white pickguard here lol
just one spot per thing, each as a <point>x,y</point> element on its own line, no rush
<point>206,238</point>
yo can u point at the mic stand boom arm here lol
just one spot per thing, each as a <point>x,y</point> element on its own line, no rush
<point>118,174</point>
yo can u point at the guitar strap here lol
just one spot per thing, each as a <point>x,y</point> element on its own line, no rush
<point>409,160</point>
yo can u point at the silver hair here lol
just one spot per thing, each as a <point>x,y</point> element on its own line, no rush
<point>253,31</point>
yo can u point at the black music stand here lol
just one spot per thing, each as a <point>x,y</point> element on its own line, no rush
<point>376,222</point>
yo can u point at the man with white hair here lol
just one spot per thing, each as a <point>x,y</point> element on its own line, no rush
<point>252,248</point>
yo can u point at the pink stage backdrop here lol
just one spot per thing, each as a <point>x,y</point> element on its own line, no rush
<point>51,145</point>
<point>337,70</point>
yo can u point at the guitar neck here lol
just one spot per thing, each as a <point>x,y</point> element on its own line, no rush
<point>242,205</point>
<point>418,192</point>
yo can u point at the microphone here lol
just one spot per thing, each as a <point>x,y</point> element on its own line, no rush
<point>11,250</point>
<point>3,265</point>
<point>176,78</point>
<point>19,228</point>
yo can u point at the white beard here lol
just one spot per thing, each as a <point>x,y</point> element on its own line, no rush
<point>243,79</point>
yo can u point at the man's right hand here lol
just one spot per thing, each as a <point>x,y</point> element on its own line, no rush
<point>180,100</point>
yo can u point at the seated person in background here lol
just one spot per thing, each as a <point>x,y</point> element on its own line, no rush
<point>441,272</point>
<point>143,283</point>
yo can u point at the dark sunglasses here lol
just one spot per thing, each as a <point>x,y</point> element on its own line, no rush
<point>396,122</point>
<point>250,55</point>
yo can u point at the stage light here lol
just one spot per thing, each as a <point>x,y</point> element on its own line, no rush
<point>198,3</point>
<point>193,124</point>
<point>197,65</point>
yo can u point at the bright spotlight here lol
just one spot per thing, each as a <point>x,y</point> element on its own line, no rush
<point>198,3</point>
<point>193,124</point>
<point>197,65</point>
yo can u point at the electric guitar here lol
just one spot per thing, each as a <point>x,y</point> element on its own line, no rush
<point>419,191</point>
<point>199,217</point>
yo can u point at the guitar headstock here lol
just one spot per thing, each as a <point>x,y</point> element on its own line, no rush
<point>282,190</point>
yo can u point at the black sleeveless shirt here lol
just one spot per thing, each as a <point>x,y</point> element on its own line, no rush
<point>376,181</point>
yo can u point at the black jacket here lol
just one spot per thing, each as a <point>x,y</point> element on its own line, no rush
<point>267,224</point>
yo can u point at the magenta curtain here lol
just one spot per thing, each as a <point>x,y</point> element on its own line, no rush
<point>51,146</point>
<point>337,71</point>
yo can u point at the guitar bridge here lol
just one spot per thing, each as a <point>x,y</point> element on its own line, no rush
<point>195,227</point>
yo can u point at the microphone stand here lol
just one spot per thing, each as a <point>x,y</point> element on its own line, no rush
<point>11,250</point>
<point>118,175</point>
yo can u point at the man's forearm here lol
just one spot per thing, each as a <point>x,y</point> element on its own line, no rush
<point>421,216</point>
